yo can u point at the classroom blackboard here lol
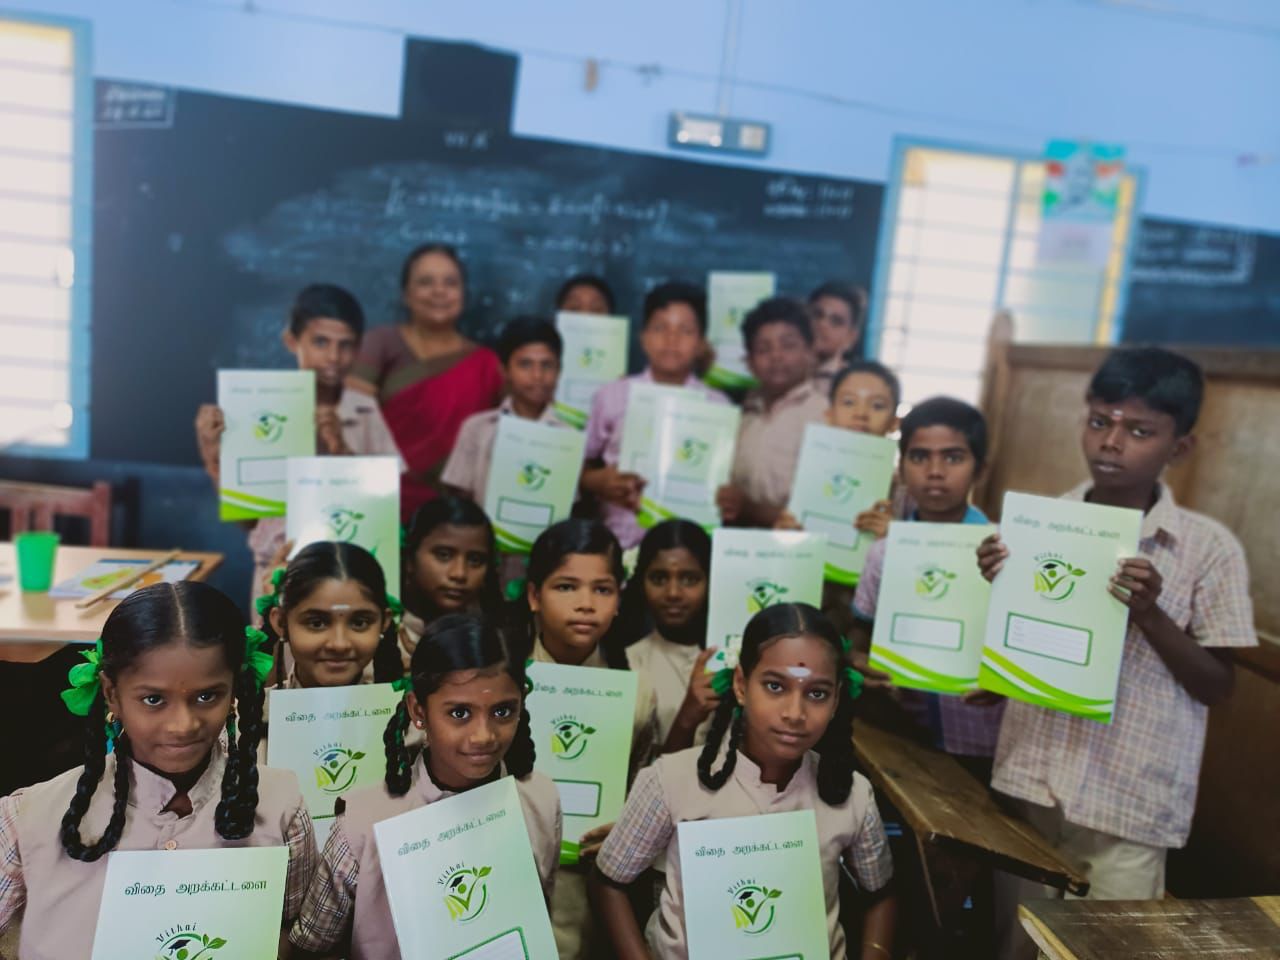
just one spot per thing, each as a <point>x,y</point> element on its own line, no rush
<point>211,211</point>
<point>1197,283</point>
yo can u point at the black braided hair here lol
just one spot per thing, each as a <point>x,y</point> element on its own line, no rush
<point>333,560</point>
<point>635,620</point>
<point>234,816</point>
<point>553,545</point>
<point>399,764</point>
<point>95,755</point>
<point>836,761</point>
<point>149,618</point>
<point>455,512</point>
<point>728,716</point>
<point>450,644</point>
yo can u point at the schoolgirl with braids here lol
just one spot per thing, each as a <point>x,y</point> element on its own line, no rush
<point>781,740</point>
<point>667,595</point>
<point>450,566</point>
<point>331,608</point>
<point>331,622</point>
<point>572,600</point>
<point>174,669</point>
<point>467,699</point>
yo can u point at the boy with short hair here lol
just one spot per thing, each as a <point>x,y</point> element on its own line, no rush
<point>325,325</point>
<point>1115,797</point>
<point>836,310</point>
<point>673,336</point>
<point>530,349</point>
<point>780,355</point>
<point>943,446</point>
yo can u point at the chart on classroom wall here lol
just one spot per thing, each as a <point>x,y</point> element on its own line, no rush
<point>225,211</point>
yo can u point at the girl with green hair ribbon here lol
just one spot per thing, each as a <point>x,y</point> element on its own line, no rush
<point>174,665</point>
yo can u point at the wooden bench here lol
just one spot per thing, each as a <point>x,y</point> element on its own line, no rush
<point>1242,929</point>
<point>958,829</point>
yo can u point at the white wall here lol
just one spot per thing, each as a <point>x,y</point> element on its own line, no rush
<point>1190,85</point>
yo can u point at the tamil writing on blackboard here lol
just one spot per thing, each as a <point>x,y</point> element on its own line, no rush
<point>1170,252</point>
<point>789,198</point>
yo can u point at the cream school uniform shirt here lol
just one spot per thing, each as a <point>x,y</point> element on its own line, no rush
<point>669,793</point>
<point>667,666</point>
<point>348,890</point>
<point>62,895</point>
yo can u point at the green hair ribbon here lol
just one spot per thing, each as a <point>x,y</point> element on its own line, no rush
<point>722,681</point>
<point>258,659</point>
<point>401,684</point>
<point>854,680</point>
<point>268,600</point>
<point>85,680</point>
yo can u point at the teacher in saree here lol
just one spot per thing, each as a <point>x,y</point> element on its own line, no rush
<point>427,376</point>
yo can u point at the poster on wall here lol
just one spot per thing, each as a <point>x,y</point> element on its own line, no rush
<point>1081,197</point>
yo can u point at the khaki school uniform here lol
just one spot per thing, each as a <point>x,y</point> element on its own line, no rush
<point>669,793</point>
<point>348,893</point>
<point>62,896</point>
<point>769,440</point>
<point>468,465</point>
<point>468,468</point>
<point>571,916</point>
<point>667,666</point>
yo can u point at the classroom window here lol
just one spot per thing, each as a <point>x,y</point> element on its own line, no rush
<point>958,242</point>
<point>46,97</point>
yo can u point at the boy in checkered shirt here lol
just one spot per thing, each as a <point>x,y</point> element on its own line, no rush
<point>1113,798</point>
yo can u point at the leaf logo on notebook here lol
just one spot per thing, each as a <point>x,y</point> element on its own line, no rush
<point>344,523</point>
<point>336,767</point>
<point>692,451</point>
<point>840,487</point>
<point>268,427</point>
<point>533,476</point>
<point>753,906</point>
<point>934,582</point>
<point>592,358</point>
<point>569,737</point>
<point>1055,577</point>
<point>465,892</point>
<point>188,944</point>
<point>764,593</point>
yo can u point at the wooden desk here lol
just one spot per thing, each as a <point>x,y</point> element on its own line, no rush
<point>1245,929</point>
<point>34,625</point>
<point>958,828</point>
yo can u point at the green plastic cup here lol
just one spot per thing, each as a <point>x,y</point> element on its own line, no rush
<point>36,550</point>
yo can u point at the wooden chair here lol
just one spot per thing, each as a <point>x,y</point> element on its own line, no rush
<point>32,506</point>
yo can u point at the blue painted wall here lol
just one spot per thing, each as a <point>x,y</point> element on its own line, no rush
<point>1188,84</point>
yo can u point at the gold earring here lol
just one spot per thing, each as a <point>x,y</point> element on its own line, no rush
<point>418,724</point>
<point>111,717</point>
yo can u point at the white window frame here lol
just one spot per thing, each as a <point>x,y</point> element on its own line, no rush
<point>77,364</point>
<point>1113,298</point>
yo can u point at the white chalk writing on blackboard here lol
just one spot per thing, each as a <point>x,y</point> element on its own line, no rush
<point>131,106</point>
<point>786,198</point>
<point>1192,254</point>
